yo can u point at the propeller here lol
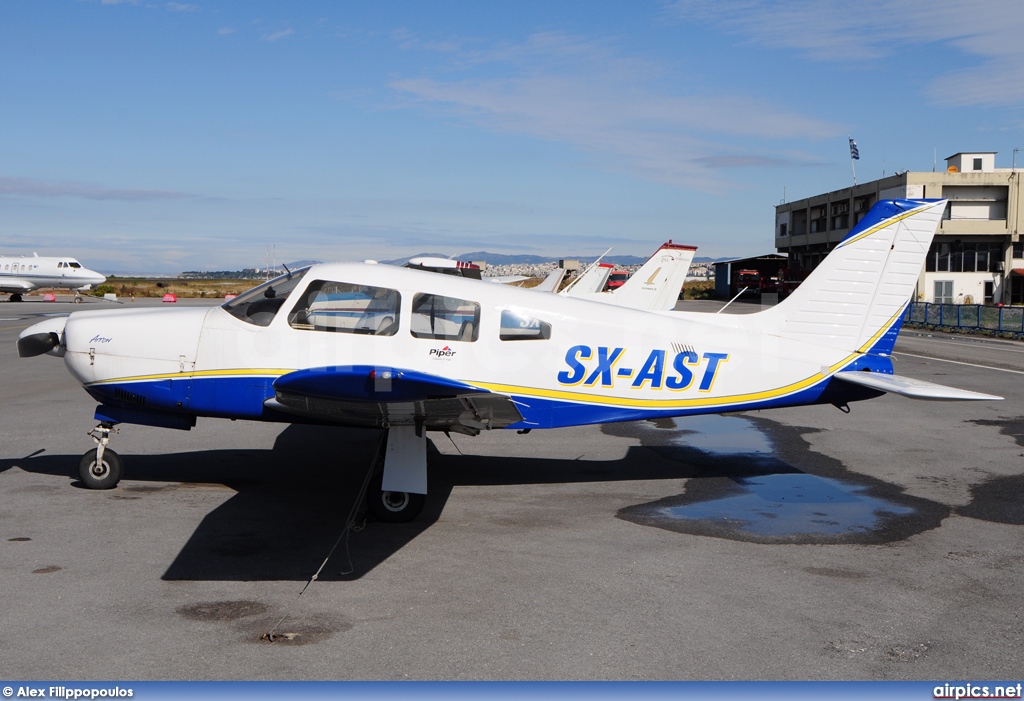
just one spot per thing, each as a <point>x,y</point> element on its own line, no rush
<point>37,344</point>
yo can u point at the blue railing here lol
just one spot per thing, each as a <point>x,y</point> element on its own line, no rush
<point>967,318</point>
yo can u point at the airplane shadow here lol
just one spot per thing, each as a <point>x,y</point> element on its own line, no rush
<point>290,503</point>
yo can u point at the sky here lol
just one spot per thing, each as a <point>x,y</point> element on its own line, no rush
<point>167,136</point>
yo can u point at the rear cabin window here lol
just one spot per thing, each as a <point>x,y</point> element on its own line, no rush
<point>518,326</point>
<point>342,307</point>
<point>445,318</point>
<point>260,305</point>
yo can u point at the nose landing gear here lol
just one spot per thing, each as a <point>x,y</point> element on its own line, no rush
<point>101,468</point>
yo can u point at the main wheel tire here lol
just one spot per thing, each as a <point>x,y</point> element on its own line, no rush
<point>392,507</point>
<point>101,476</point>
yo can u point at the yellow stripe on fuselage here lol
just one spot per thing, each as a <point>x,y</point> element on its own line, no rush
<point>239,372</point>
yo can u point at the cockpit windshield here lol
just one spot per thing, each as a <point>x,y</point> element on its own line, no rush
<point>260,305</point>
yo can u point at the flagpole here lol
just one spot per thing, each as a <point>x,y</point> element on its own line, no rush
<point>854,155</point>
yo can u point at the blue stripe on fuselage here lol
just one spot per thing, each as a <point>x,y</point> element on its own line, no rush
<point>226,397</point>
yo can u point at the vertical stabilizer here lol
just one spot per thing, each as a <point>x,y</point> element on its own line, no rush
<point>855,298</point>
<point>656,285</point>
<point>552,281</point>
<point>591,281</point>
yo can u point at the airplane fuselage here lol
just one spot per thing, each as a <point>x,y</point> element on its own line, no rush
<point>21,274</point>
<point>563,361</point>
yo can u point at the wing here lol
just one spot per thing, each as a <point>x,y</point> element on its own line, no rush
<point>909,387</point>
<point>370,396</point>
<point>16,285</point>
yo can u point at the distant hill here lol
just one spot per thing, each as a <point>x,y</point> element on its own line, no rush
<point>522,259</point>
<point>509,259</point>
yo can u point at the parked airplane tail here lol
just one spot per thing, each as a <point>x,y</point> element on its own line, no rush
<point>591,281</point>
<point>656,285</point>
<point>854,300</point>
<point>551,282</point>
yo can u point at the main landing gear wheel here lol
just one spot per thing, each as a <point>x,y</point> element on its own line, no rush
<point>15,297</point>
<point>392,507</point>
<point>104,474</point>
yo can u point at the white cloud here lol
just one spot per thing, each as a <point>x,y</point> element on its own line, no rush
<point>835,30</point>
<point>182,7</point>
<point>279,35</point>
<point>226,30</point>
<point>605,104</point>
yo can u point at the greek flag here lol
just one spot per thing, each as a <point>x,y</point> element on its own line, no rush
<point>854,152</point>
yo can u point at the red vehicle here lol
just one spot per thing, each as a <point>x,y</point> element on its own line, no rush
<point>749,279</point>
<point>789,280</point>
<point>617,279</point>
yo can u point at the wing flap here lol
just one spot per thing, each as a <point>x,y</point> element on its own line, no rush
<point>909,387</point>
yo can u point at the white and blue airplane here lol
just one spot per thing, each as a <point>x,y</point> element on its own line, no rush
<point>22,274</point>
<point>411,351</point>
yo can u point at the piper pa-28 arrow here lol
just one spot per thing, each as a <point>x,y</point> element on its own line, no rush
<point>22,274</point>
<point>411,351</point>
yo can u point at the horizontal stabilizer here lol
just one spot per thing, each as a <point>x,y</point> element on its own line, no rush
<point>909,387</point>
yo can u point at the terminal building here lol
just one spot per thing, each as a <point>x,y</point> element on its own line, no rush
<point>976,256</point>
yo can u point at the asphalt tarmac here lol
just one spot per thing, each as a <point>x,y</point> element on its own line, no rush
<point>788,544</point>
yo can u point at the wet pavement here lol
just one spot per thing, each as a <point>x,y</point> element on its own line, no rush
<point>743,491</point>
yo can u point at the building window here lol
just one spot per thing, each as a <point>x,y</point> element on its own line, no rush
<point>946,257</point>
<point>943,292</point>
<point>1016,289</point>
<point>989,292</point>
<point>1018,249</point>
<point>977,164</point>
<point>782,230</point>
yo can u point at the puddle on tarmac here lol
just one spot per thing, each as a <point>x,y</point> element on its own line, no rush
<point>798,504</point>
<point>712,433</point>
<point>740,486</point>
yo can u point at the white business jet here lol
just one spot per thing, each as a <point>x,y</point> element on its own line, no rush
<point>410,352</point>
<point>22,274</point>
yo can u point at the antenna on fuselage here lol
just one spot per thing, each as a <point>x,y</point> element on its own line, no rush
<point>733,299</point>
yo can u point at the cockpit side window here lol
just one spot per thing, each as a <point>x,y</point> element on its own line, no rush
<point>342,307</point>
<point>519,326</point>
<point>260,305</point>
<point>445,318</point>
<point>74,264</point>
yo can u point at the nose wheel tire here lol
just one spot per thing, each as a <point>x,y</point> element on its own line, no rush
<point>102,475</point>
<point>392,507</point>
